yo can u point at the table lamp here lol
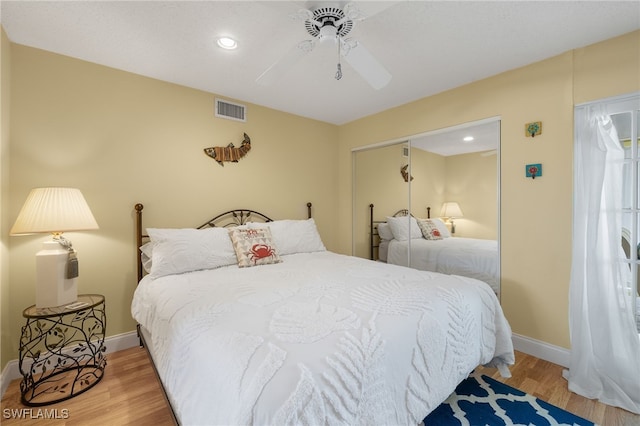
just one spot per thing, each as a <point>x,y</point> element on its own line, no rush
<point>451,210</point>
<point>55,210</point>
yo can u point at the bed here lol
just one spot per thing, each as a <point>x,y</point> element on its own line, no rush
<point>308,336</point>
<point>404,240</point>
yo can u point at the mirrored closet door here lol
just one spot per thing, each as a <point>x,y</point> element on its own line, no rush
<point>378,180</point>
<point>457,167</point>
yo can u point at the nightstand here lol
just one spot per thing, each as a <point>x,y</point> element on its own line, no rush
<point>62,350</point>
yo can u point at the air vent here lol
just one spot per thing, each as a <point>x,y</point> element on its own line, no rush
<point>230,110</point>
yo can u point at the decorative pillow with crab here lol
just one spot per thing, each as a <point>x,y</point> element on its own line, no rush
<point>254,246</point>
<point>429,229</point>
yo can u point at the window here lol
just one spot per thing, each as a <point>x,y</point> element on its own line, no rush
<point>626,119</point>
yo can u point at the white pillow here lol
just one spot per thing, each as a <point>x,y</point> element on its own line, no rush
<point>293,236</point>
<point>401,231</point>
<point>176,251</point>
<point>444,231</point>
<point>384,231</point>
<point>146,251</point>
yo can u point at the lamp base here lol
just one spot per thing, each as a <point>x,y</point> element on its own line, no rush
<point>52,286</point>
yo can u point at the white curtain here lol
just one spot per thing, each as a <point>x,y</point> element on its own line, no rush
<point>605,347</point>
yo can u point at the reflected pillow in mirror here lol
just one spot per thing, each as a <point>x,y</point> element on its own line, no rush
<point>429,229</point>
<point>384,231</point>
<point>404,228</point>
<point>444,231</point>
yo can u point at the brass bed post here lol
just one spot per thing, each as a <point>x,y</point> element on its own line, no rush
<point>371,231</point>
<point>139,208</point>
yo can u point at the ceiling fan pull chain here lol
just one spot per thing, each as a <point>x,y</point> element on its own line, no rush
<point>339,71</point>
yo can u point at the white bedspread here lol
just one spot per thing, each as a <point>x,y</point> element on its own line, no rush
<point>469,257</point>
<point>320,338</point>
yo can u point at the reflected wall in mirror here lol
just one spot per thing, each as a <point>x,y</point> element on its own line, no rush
<point>468,176</point>
<point>445,168</point>
<point>377,179</point>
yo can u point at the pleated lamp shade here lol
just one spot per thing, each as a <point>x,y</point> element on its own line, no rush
<point>451,209</point>
<point>54,210</point>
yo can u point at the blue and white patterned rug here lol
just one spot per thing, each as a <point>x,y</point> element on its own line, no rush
<point>483,401</point>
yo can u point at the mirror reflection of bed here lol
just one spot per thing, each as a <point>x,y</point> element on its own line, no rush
<point>430,245</point>
<point>443,168</point>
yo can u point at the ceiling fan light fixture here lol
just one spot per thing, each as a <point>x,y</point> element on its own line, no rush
<point>328,32</point>
<point>227,43</point>
<point>328,16</point>
<point>331,23</point>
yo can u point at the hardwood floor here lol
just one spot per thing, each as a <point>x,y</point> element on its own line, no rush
<point>544,380</point>
<point>130,394</point>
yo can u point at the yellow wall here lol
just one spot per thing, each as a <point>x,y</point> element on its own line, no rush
<point>535,214</point>
<point>429,184</point>
<point>122,138</point>
<point>472,181</point>
<point>7,351</point>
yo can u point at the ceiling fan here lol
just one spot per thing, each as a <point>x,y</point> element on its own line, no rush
<point>328,24</point>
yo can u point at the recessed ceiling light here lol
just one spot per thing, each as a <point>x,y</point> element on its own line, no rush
<point>227,43</point>
<point>468,138</point>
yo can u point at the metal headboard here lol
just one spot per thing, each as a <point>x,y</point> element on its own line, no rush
<point>235,218</point>
<point>227,219</point>
<point>373,227</point>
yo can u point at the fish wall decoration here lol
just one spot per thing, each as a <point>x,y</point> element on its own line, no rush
<point>229,152</point>
<point>405,173</point>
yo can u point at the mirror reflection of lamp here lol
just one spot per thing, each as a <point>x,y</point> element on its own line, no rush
<point>55,210</point>
<point>451,210</point>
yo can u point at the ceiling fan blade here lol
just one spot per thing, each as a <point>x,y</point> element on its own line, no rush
<point>272,74</point>
<point>367,66</point>
<point>358,11</point>
<point>302,15</point>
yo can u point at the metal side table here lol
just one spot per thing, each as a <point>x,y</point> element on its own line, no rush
<point>62,350</point>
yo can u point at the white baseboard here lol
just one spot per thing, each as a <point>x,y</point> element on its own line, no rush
<point>112,343</point>
<point>122,341</point>
<point>542,350</point>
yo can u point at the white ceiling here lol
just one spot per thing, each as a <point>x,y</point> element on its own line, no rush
<point>428,46</point>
